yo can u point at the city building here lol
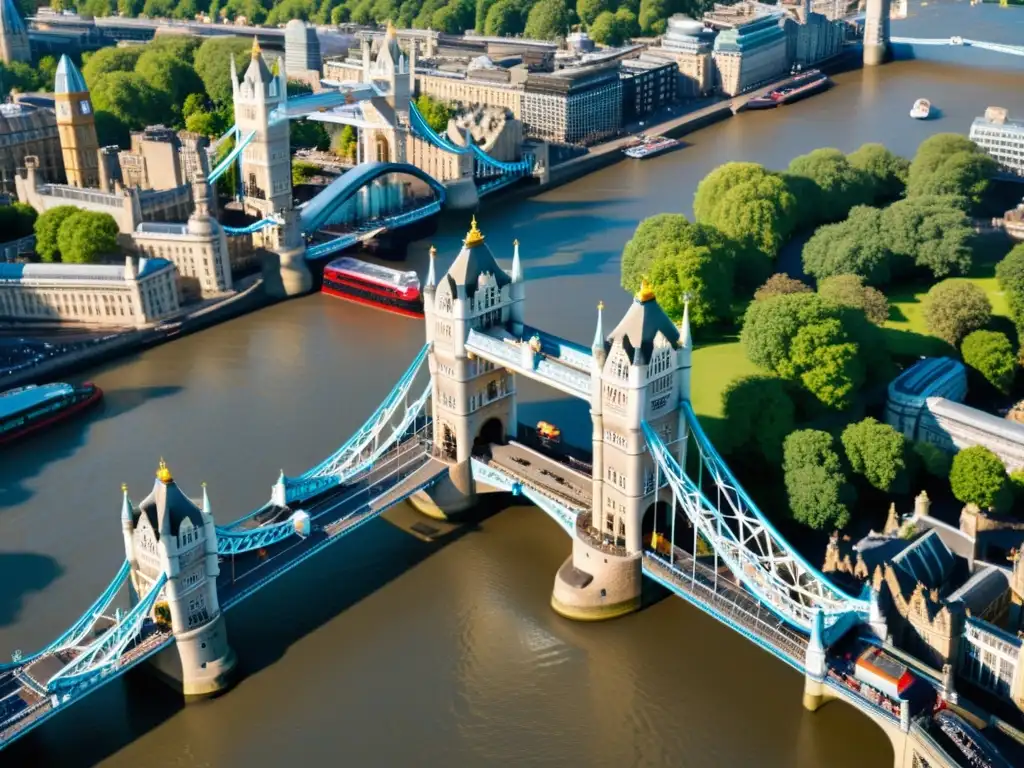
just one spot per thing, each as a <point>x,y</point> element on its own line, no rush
<point>110,295</point>
<point>301,48</point>
<point>925,403</point>
<point>812,36</point>
<point>580,42</point>
<point>76,126</point>
<point>14,45</point>
<point>1002,138</point>
<point>197,248</point>
<point>689,43</point>
<point>28,130</point>
<point>480,82</point>
<point>648,85</point>
<point>158,158</point>
<point>752,51</point>
<point>574,106</point>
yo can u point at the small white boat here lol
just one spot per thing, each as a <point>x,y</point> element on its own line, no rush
<point>922,108</point>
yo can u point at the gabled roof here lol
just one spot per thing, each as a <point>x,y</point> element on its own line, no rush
<point>167,507</point>
<point>927,560</point>
<point>641,324</point>
<point>474,260</point>
<point>982,589</point>
<point>68,79</point>
<point>258,70</point>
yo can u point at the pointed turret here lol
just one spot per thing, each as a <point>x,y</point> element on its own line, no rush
<point>127,511</point>
<point>685,350</point>
<point>207,509</point>
<point>68,78</point>
<point>517,267</point>
<point>432,270</point>
<point>815,661</point>
<point>597,347</point>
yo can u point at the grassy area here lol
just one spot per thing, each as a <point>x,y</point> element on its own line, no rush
<point>715,366</point>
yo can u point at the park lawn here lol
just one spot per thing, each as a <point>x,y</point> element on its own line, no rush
<point>715,367</point>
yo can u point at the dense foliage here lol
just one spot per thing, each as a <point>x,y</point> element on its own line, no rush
<point>303,171</point>
<point>991,355</point>
<point>759,414</point>
<point>819,496</point>
<point>16,221</point>
<point>436,113</point>
<point>850,291</point>
<point>47,227</point>
<point>780,284</point>
<point>802,337</point>
<point>954,308</point>
<point>886,172</point>
<point>878,452</point>
<point>936,462</point>
<point>839,185</point>
<point>979,477</point>
<point>24,77</point>
<point>679,258</point>
<point>950,164</point>
<point>86,236</point>
<point>1010,274</point>
<point>853,246</point>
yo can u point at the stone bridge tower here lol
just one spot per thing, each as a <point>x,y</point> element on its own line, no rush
<point>14,45</point>
<point>474,401</point>
<point>392,75</point>
<point>876,32</point>
<point>168,533</point>
<point>641,372</point>
<point>266,162</point>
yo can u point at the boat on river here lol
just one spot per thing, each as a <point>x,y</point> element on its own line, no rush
<point>792,89</point>
<point>24,410</point>
<point>374,285</point>
<point>921,109</point>
<point>650,146</point>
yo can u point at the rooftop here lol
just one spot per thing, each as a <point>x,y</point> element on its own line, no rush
<point>987,422</point>
<point>68,79</point>
<point>15,273</point>
<point>931,377</point>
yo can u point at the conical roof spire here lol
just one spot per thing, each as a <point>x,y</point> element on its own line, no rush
<point>126,504</point>
<point>599,330</point>
<point>68,78</point>
<point>517,268</point>
<point>255,46</point>
<point>431,271</point>
<point>685,337</point>
<point>207,509</point>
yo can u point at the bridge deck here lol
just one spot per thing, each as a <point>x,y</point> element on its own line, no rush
<point>400,491</point>
<point>551,366</point>
<point>545,473</point>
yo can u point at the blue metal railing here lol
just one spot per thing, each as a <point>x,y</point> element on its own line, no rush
<point>422,129</point>
<point>231,156</point>
<point>269,221</point>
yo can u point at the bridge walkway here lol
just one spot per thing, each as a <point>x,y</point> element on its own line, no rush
<point>339,512</point>
<point>547,473</point>
<point>556,364</point>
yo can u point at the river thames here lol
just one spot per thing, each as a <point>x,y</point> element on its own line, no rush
<point>387,650</point>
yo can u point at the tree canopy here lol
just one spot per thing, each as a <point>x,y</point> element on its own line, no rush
<point>838,184</point>
<point>886,172</point>
<point>680,258</point>
<point>991,355</point>
<point>1010,274</point>
<point>819,496</point>
<point>437,113</point>
<point>954,308</point>
<point>780,284</point>
<point>950,164</point>
<point>979,477</point>
<point>878,452</point>
<point>47,227</point>
<point>929,232</point>
<point>16,221</point>
<point>759,414</point>
<point>213,65</point>
<point>547,20</point>
<point>86,236</point>
<point>850,291</point>
<point>855,246</point>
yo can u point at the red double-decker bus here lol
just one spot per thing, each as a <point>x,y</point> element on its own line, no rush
<point>374,285</point>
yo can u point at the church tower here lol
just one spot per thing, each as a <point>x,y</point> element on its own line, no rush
<point>266,161</point>
<point>170,534</point>
<point>76,126</point>
<point>14,44</point>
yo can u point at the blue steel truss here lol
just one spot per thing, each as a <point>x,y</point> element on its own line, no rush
<point>233,542</point>
<point>422,129</point>
<point>80,628</point>
<point>269,221</point>
<point>369,228</point>
<point>562,513</point>
<point>753,550</point>
<point>231,156</point>
<point>318,211</point>
<point>105,651</point>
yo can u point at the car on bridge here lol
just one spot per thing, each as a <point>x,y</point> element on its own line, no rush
<point>548,432</point>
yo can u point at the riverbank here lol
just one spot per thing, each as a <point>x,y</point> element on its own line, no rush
<point>248,299</point>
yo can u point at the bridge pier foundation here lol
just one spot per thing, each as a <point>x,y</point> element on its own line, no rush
<point>200,664</point>
<point>595,585</point>
<point>461,194</point>
<point>448,497</point>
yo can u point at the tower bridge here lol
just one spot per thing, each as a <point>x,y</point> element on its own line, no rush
<point>652,488</point>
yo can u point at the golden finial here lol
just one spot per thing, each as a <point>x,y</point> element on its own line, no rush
<point>255,46</point>
<point>433,251</point>
<point>163,474</point>
<point>392,32</point>
<point>124,487</point>
<point>646,293</point>
<point>600,306</point>
<point>515,242</point>
<point>473,237</point>
<point>203,484</point>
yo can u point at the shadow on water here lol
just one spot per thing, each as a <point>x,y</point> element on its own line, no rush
<point>261,630</point>
<point>30,456</point>
<point>21,573</point>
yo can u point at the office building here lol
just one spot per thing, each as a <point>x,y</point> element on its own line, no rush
<point>751,53</point>
<point>648,85</point>
<point>689,43</point>
<point>1002,138</point>
<point>28,130</point>
<point>574,106</point>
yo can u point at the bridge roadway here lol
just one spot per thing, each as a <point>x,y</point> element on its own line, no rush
<point>547,473</point>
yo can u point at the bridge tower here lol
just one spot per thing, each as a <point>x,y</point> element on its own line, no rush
<point>266,162</point>
<point>76,126</point>
<point>876,32</point>
<point>392,76</point>
<point>14,45</point>
<point>640,373</point>
<point>287,242</point>
<point>168,533</point>
<point>473,402</point>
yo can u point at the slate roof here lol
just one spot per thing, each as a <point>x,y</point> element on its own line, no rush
<point>637,330</point>
<point>927,560</point>
<point>69,79</point>
<point>167,507</point>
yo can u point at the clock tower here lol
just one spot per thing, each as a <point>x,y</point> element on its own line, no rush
<point>76,126</point>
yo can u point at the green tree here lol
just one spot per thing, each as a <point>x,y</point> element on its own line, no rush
<point>303,171</point>
<point>588,10</point>
<point>172,76</point>
<point>128,97</point>
<point>1010,274</point>
<point>850,291</point>
<point>826,360</point>
<point>652,16</point>
<point>886,172</point>
<point>344,143</point>
<point>856,246</point>
<point>930,232</point>
<point>950,164</point>
<point>194,102</point>
<point>780,284</point>
<point>309,134</point>
<point>991,354</point>
<point>935,461</point>
<point>47,226</point>
<point>759,413</point>
<point>979,477</point>
<point>1017,486</point>
<point>213,63</point>
<point>819,496</point>
<point>437,113</point>
<point>505,17</point>
<point>879,453</point>
<point>205,123</point>
<point>482,7</point>
<point>16,221</point>
<point>547,20</point>
<point>682,258</point>
<point>47,72</point>
<point>107,60</point>
<point>748,204</point>
<point>840,185</point>
<point>954,308</point>
<point>86,236</point>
